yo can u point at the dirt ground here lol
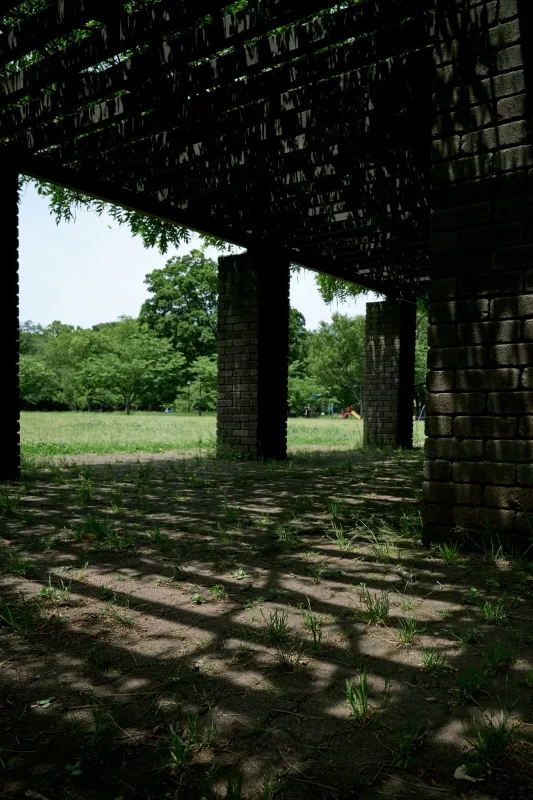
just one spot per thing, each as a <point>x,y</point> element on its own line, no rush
<point>168,627</point>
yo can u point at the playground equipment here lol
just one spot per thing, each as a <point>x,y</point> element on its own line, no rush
<point>349,410</point>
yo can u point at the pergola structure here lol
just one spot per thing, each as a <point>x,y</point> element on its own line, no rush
<point>385,142</point>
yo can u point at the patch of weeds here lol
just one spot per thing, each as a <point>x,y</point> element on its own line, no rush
<point>85,491</point>
<point>474,597</point>
<point>17,565</point>
<point>218,591</point>
<point>357,698</point>
<point>226,537</point>
<point>120,617</point>
<point>287,537</point>
<point>376,608</point>
<point>270,786</point>
<point>340,537</point>
<point>99,732</point>
<point>433,659</point>
<point>410,526</point>
<point>288,659</point>
<point>9,503</point>
<point>231,513</point>
<point>407,631</point>
<point>472,680</point>
<point>408,604</point>
<point>255,602</point>
<point>498,659</point>
<point>303,504</point>
<point>332,574</point>
<point>493,551</point>
<point>276,627</point>
<point>449,552</point>
<point>161,540</point>
<point>313,624</point>
<point>490,740</point>
<point>177,573</point>
<point>20,619</point>
<point>495,613</point>
<point>273,593</point>
<point>120,540</point>
<point>94,526</point>
<point>407,742</point>
<point>336,508</point>
<point>381,549</point>
<point>117,498</point>
<point>182,742</point>
<point>198,599</point>
<point>468,636</point>
<point>56,594</point>
<point>234,788</point>
<point>241,655</point>
<point>240,575</point>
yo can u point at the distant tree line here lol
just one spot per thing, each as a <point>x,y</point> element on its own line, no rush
<point>167,357</point>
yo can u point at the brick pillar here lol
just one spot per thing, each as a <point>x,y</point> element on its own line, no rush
<point>9,328</point>
<point>479,479</point>
<point>389,373</point>
<point>253,353</point>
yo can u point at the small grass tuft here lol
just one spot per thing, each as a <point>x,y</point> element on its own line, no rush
<point>17,565</point>
<point>407,742</point>
<point>495,613</point>
<point>357,697</point>
<point>376,608</point>
<point>450,552</point>
<point>498,659</point>
<point>491,739</point>
<point>472,680</point>
<point>468,636</point>
<point>433,659</point>
<point>276,627</point>
<point>407,631</point>
<point>313,624</point>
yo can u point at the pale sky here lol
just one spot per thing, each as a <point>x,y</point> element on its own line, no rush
<point>91,271</point>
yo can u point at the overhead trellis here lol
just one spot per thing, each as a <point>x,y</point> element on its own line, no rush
<point>304,127</point>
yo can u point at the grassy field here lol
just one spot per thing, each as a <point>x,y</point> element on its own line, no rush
<point>70,433</point>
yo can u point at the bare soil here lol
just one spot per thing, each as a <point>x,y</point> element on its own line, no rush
<point>147,668</point>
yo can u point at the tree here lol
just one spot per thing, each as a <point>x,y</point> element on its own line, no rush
<point>203,389</point>
<point>38,383</point>
<point>183,305</point>
<point>336,358</point>
<point>136,366</point>
<point>298,338</point>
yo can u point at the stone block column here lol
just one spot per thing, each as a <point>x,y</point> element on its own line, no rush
<point>389,373</point>
<point>479,447</point>
<point>253,353</point>
<point>9,328</point>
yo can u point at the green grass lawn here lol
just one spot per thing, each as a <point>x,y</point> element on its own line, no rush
<point>73,433</point>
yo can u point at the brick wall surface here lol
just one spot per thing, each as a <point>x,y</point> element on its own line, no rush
<point>480,401</point>
<point>9,327</point>
<point>253,351</point>
<point>389,374</point>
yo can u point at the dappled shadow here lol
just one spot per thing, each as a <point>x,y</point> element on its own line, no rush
<point>173,571</point>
